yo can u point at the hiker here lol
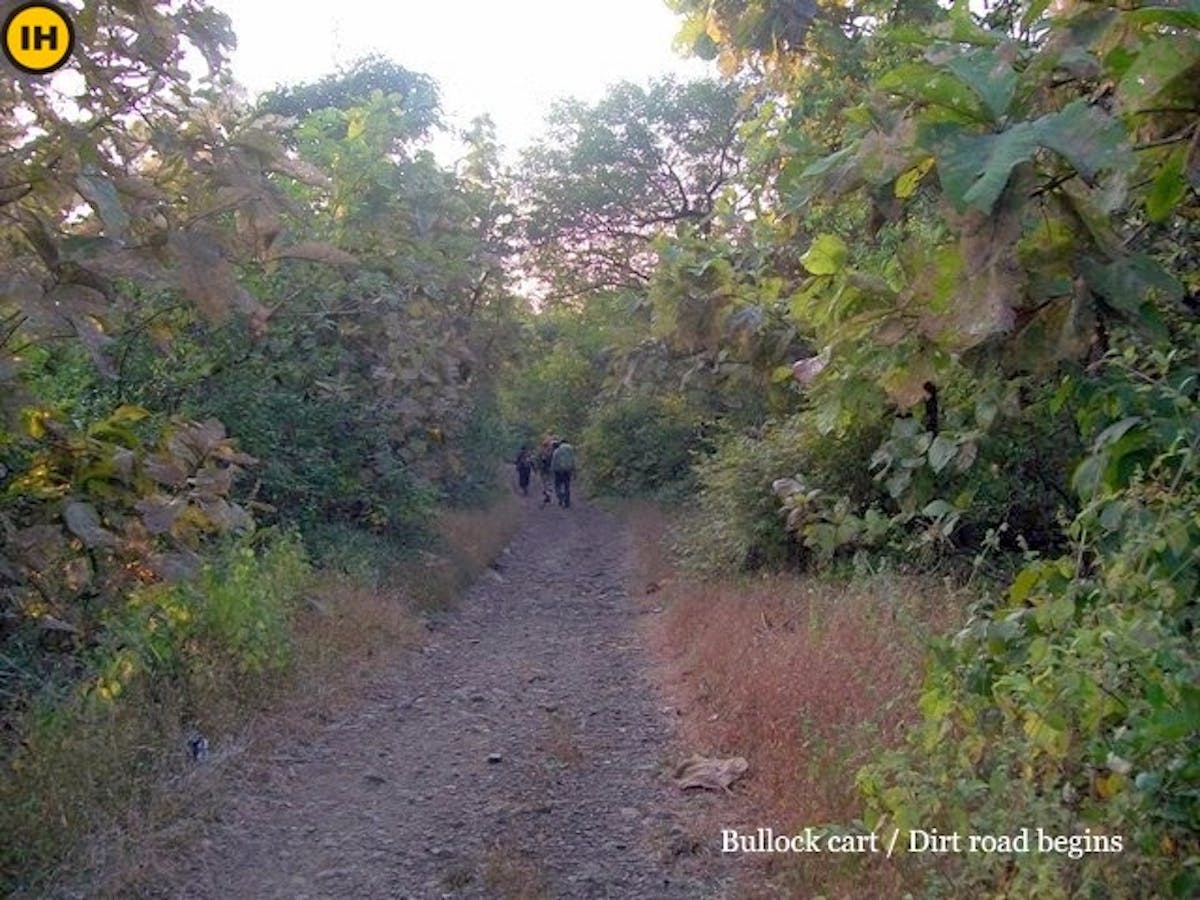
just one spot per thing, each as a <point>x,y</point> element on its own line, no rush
<point>524,463</point>
<point>562,463</point>
<point>543,464</point>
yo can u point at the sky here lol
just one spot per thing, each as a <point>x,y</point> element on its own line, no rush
<point>508,58</point>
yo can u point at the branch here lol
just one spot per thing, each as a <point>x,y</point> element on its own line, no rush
<point>1183,134</point>
<point>20,318</point>
<point>1052,184</point>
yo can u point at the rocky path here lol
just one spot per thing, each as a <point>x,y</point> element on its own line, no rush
<point>521,752</point>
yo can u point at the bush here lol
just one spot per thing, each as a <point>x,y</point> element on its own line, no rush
<point>321,459</point>
<point>483,444</point>
<point>1071,704</point>
<point>168,658</point>
<point>998,464</point>
<point>736,523</point>
<point>643,445</point>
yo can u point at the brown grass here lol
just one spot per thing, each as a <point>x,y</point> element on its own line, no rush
<point>470,540</point>
<point>512,876</point>
<point>561,744</point>
<point>109,798</point>
<point>805,677</point>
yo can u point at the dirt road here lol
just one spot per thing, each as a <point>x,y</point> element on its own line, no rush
<point>521,752</point>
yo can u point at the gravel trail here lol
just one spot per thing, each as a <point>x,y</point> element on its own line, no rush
<point>520,752</point>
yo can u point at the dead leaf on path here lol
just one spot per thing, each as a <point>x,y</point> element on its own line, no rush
<point>710,773</point>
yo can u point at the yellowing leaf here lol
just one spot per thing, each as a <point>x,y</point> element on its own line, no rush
<point>1110,784</point>
<point>128,412</point>
<point>1023,584</point>
<point>905,385</point>
<point>1053,741</point>
<point>36,423</point>
<point>826,256</point>
<point>907,183</point>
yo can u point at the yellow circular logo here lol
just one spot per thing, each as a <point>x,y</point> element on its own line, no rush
<point>38,38</point>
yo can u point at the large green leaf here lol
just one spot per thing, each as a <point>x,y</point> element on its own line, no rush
<point>1169,187</point>
<point>102,195</point>
<point>986,73</point>
<point>922,81</point>
<point>1089,139</point>
<point>1132,281</point>
<point>1168,15</point>
<point>1167,61</point>
<point>974,168</point>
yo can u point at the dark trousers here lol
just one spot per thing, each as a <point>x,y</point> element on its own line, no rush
<point>523,473</point>
<point>562,488</point>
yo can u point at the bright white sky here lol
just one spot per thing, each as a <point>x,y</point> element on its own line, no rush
<point>509,58</point>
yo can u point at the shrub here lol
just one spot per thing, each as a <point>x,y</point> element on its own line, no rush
<point>640,445</point>
<point>483,443</point>
<point>998,463</point>
<point>167,658</point>
<point>736,521</point>
<point>322,460</point>
<point>1071,704</point>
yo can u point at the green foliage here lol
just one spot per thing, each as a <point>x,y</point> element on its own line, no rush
<point>324,459</point>
<point>415,94</point>
<point>238,608</point>
<point>89,513</point>
<point>641,445</point>
<point>553,391</point>
<point>177,268</point>
<point>1072,701</point>
<point>483,444</point>
<point>98,729</point>
<point>999,465</point>
<point>996,277</point>
<point>737,522</point>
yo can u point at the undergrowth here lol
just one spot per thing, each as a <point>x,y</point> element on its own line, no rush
<point>93,767</point>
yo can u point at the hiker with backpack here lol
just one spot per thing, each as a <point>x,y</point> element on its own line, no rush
<point>524,464</point>
<point>562,464</point>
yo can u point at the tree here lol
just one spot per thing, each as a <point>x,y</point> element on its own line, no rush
<point>999,231</point>
<point>416,94</point>
<point>611,177</point>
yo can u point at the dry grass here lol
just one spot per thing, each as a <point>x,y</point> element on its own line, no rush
<point>560,742</point>
<point>115,792</point>
<point>513,876</point>
<point>470,540</point>
<point>806,678</point>
<point>112,796</point>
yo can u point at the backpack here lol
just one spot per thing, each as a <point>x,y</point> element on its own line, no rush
<point>563,459</point>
